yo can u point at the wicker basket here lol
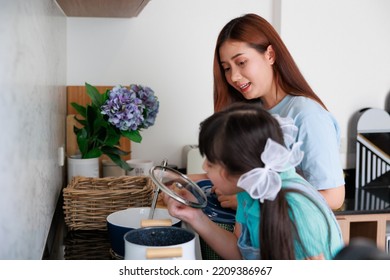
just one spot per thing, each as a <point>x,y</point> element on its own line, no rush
<point>88,201</point>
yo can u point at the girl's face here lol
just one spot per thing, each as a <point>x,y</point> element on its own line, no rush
<point>247,70</point>
<point>223,184</point>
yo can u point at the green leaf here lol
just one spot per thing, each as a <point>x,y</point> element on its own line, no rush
<point>90,119</point>
<point>114,150</point>
<point>80,121</point>
<point>82,140</point>
<point>132,135</point>
<point>80,109</point>
<point>95,95</point>
<point>94,153</point>
<point>113,137</point>
<point>105,96</point>
<point>119,161</point>
<point>115,155</point>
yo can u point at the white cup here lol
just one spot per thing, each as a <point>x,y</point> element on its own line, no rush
<point>140,167</point>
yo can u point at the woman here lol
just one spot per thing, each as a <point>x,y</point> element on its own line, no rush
<point>251,63</point>
<point>279,214</point>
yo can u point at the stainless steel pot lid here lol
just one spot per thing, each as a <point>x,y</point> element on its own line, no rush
<point>178,186</point>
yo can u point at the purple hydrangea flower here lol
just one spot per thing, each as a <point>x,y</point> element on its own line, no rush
<point>150,102</point>
<point>131,109</point>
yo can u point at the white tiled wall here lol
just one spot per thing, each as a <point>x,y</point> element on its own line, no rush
<point>32,118</point>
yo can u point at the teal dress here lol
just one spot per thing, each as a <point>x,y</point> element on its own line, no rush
<point>319,234</point>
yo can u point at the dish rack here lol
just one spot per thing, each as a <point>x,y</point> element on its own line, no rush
<point>372,147</point>
<point>88,201</point>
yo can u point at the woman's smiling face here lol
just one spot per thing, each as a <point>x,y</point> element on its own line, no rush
<point>246,69</point>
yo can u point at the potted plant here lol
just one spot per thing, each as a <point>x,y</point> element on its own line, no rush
<point>119,112</point>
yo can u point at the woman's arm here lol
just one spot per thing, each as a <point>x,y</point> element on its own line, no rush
<point>335,196</point>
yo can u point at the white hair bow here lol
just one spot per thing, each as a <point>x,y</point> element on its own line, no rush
<point>264,182</point>
<point>290,131</point>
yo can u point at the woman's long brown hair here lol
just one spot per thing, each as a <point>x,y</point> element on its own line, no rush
<point>258,33</point>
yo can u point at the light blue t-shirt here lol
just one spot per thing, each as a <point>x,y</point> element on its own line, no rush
<point>318,228</point>
<point>320,134</point>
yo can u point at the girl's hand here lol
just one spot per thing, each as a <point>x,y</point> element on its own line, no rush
<point>181,211</point>
<point>226,201</point>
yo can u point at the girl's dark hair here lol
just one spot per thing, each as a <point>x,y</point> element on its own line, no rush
<point>278,232</point>
<point>258,34</point>
<point>235,138</point>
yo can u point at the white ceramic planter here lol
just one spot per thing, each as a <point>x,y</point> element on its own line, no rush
<point>82,167</point>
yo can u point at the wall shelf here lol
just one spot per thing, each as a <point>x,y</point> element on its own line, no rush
<point>102,8</point>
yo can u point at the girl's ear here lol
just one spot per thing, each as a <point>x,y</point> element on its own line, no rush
<point>271,54</point>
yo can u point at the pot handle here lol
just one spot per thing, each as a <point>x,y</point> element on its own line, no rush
<point>160,253</point>
<point>156,223</point>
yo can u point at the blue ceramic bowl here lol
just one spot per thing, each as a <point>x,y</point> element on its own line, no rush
<point>120,222</point>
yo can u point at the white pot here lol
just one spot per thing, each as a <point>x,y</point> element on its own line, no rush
<point>160,243</point>
<point>82,167</point>
<point>122,221</point>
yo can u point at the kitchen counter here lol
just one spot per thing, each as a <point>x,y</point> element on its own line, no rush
<point>374,198</point>
<point>368,205</point>
<point>87,244</point>
<point>95,245</point>
<point>366,211</point>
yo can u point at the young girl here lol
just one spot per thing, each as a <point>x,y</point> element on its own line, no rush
<point>279,214</point>
<point>251,63</point>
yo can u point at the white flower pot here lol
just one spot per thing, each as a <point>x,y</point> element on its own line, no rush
<point>78,166</point>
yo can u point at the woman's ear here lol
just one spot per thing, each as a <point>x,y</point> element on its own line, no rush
<point>271,55</point>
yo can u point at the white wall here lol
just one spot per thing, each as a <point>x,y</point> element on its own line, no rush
<point>32,98</point>
<point>341,46</point>
<point>168,47</point>
<point>343,49</point>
